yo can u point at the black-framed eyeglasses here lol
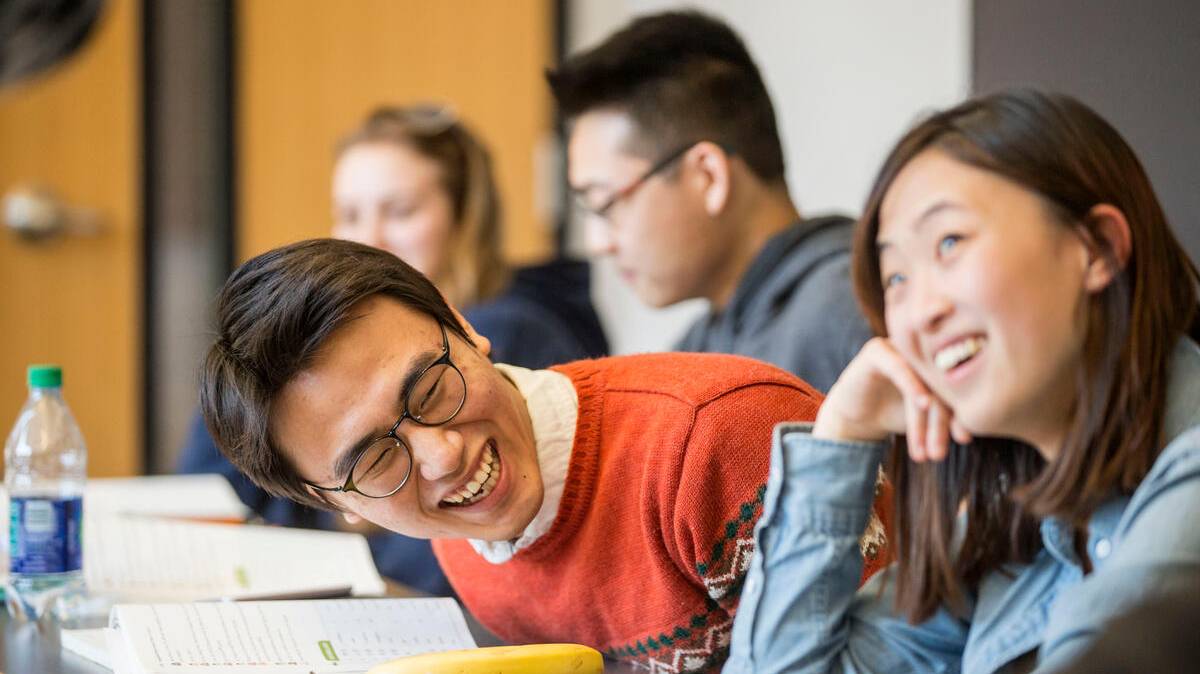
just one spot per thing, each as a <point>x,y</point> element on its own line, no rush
<point>435,397</point>
<point>602,210</point>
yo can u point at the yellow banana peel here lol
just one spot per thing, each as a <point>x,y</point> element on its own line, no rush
<point>531,659</point>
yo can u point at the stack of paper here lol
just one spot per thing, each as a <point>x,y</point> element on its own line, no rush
<point>206,497</point>
<point>153,559</point>
<point>146,539</point>
<point>194,496</point>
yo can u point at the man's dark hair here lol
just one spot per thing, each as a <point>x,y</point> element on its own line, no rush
<point>273,315</point>
<point>681,77</point>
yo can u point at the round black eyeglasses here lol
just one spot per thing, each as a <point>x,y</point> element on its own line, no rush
<point>436,396</point>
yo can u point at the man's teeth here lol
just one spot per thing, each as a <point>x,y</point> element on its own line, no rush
<point>481,483</point>
<point>956,353</point>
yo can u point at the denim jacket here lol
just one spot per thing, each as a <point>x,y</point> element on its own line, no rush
<point>800,612</point>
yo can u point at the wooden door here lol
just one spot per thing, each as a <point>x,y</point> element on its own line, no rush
<point>310,70</point>
<point>75,300</point>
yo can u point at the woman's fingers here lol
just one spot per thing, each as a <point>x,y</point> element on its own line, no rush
<point>915,419</point>
<point>879,394</point>
<point>865,403</point>
<point>892,365</point>
<point>915,397</point>
<point>929,423</point>
<point>937,438</point>
<point>960,434</point>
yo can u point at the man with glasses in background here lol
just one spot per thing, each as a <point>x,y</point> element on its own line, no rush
<point>676,161</point>
<point>607,502</point>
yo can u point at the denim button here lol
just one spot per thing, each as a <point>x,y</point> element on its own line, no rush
<point>1103,548</point>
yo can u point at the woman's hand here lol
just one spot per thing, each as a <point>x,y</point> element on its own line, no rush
<point>878,395</point>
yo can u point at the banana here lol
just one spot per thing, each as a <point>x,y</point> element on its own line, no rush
<point>532,659</point>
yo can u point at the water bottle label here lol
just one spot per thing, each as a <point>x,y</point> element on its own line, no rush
<point>45,535</point>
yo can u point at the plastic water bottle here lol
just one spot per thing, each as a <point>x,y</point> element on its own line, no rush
<point>45,467</point>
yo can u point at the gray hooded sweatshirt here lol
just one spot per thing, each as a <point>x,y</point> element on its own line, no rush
<point>794,307</point>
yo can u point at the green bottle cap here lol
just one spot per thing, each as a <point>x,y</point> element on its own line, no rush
<point>44,376</point>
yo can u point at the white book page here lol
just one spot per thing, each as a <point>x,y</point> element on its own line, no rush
<point>119,656</point>
<point>286,637</point>
<point>154,559</point>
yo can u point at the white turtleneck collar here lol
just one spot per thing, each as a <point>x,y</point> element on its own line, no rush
<point>553,408</point>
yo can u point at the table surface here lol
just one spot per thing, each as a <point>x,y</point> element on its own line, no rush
<point>27,649</point>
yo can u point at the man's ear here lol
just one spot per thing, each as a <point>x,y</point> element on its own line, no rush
<point>351,518</point>
<point>482,343</point>
<point>1109,224</point>
<point>714,169</point>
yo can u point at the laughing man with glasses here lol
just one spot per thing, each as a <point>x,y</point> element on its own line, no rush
<point>607,502</point>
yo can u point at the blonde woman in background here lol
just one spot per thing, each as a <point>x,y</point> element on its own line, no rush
<point>416,182</point>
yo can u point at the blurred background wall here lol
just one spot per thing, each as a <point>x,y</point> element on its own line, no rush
<point>197,134</point>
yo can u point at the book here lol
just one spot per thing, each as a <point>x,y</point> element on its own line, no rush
<point>277,637</point>
<point>142,559</point>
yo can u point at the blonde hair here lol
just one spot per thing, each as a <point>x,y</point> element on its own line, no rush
<point>475,269</point>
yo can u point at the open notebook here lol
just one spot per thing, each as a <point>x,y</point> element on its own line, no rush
<point>278,637</point>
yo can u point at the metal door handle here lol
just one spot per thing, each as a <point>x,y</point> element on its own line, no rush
<point>36,213</point>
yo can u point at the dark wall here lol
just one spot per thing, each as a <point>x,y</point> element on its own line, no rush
<point>1137,62</point>
<point>188,193</point>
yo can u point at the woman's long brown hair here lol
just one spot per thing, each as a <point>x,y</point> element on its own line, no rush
<point>1060,149</point>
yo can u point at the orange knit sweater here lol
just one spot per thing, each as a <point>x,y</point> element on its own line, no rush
<point>646,556</point>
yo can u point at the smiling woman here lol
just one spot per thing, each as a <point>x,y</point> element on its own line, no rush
<point>984,291</point>
<point>1038,372</point>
